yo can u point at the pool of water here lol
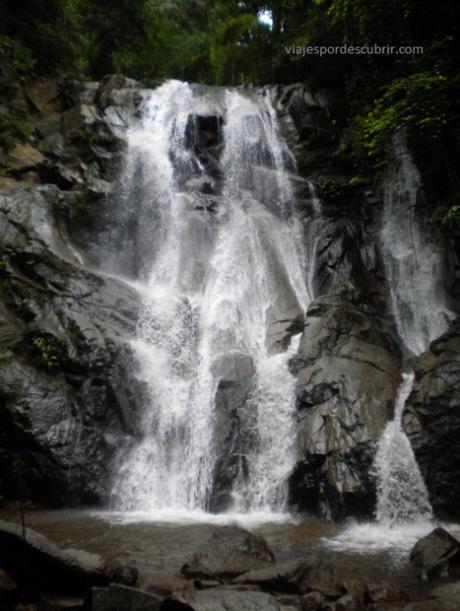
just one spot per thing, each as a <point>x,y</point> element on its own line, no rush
<point>162,543</point>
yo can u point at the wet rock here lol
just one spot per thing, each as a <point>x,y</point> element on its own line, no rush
<point>230,551</point>
<point>222,599</point>
<point>432,421</point>
<point>165,586</point>
<point>282,577</point>
<point>347,376</point>
<point>385,594</point>
<point>438,552</point>
<point>322,578</point>
<point>117,597</point>
<point>65,396</point>
<point>232,417</point>
<point>46,566</point>
<point>108,91</point>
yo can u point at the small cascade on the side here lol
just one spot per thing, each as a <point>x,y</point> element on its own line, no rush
<point>414,269</point>
<point>225,284</point>
<point>401,492</point>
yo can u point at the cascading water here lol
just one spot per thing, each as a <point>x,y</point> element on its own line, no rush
<point>414,272</point>
<point>401,492</point>
<point>223,268</point>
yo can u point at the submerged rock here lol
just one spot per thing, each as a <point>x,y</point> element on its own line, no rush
<point>230,551</point>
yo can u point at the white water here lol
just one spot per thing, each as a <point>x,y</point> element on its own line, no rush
<point>401,492</point>
<point>414,272</point>
<point>215,285</point>
<point>413,265</point>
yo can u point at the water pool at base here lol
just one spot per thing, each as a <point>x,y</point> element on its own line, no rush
<point>162,543</point>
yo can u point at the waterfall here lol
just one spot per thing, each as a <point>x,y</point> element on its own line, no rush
<point>414,266</point>
<point>414,270</point>
<point>223,275</point>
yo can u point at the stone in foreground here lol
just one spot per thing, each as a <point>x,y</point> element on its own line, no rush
<point>230,551</point>
<point>437,552</point>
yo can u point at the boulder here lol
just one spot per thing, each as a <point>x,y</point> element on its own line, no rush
<point>384,593</point>
<point>314,601</point>
<point>47,567</point>
<point>119,597</point>
<point>432,421</point>
<point>281,577</point>
<point>438,552</point>
<point>347,370</point>
<point>222,599</point>
<point>229,552</point>
<point>322,578</point>
<point>300,576</point>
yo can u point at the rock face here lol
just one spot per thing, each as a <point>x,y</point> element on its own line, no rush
<point>229,552</point>
<point>236,375</point>
<point>347,376</point>
<point>432,421</point>
<point>65,358</point>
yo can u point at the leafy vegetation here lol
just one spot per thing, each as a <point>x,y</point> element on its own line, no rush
<point>225,42</point>
<point>13,128</point>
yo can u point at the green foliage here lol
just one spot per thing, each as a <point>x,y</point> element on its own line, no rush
<point>416,104</point>
<point>336,190</point>
<point>13,128</point>
<point>15,59</point>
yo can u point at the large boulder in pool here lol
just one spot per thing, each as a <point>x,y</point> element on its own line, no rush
<point>438,552</point>
<point>229,552</point>
<point>46,567</point>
